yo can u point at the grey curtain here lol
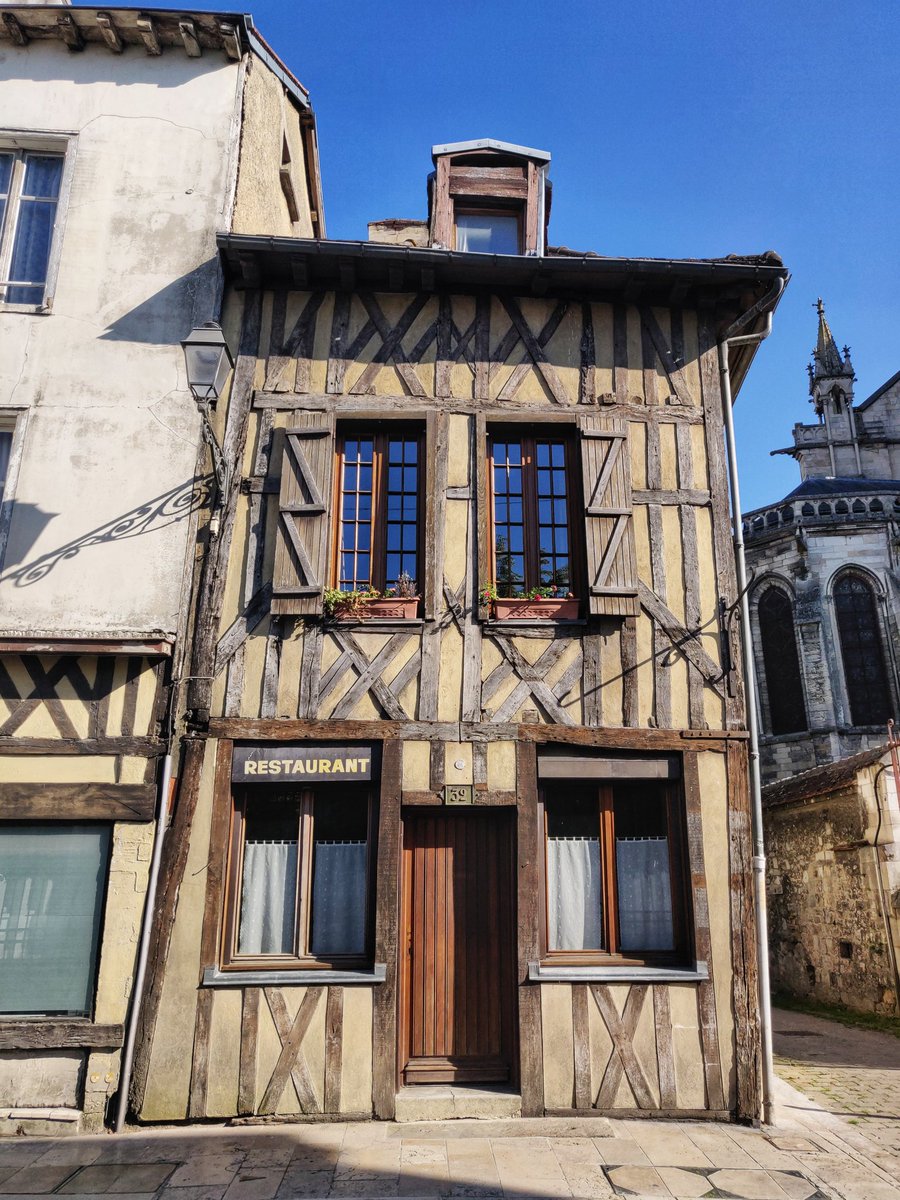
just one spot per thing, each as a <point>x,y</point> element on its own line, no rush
<point>268,898</point>
<point>645,894</point>
<point>339,898</point>
<point>574,894</point>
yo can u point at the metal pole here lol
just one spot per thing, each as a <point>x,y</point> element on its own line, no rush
<point>137,994</point>
<point>759,854</point>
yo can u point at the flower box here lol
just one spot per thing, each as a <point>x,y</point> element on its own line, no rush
<point>387,608</point>
<point>521,609</point>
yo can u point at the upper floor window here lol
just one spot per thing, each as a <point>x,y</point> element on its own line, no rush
<point>784,684</point>
<point>862,651</point>
<point>379,505</point>
<point>30,182</point>
<point>487,231</point>
<point>532,483</point>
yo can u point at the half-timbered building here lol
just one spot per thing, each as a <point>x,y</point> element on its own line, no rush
<point>463,798</point>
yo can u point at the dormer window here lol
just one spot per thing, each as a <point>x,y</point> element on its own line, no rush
<point>488,232</point>
<point>489,197</point>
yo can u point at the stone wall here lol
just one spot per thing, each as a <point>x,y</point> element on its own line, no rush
<point>826,936</point>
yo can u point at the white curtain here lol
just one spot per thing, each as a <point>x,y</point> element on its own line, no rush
<point>645,894</point>
<point>339,898</point>
<point>574,895</point>
<point>268,898</point>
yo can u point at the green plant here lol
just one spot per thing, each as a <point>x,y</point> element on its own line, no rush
<point>404,588</point>
<point>337,603</point>
<point>487,593</point>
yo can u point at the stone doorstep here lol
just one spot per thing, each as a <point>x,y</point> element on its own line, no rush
<point>442,1102</point>
<point>50,1122</point>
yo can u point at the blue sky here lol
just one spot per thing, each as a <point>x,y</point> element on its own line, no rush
<point>687,128</point>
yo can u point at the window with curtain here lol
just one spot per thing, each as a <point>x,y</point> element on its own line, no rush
<point>532,489</point>
<point>862,651</point>
<point>615,884</point>
<point>30,182</point>
<point>52,884</point>
<point>488,231</point>
<point>299,877</point>
<point>784,683</point>
<point>379,507</point>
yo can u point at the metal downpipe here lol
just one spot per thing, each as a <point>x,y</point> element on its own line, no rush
<point>759,857</point>
<point>137,993</point>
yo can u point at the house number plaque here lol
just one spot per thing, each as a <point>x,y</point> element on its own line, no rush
<point>459,793</point>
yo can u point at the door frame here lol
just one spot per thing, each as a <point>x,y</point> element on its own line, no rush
<point>405,932</point>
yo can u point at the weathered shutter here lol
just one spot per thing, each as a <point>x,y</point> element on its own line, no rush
<point>301,550</point>
<point>609,534</point>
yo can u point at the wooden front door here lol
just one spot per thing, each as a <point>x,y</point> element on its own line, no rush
<point>458,996</point>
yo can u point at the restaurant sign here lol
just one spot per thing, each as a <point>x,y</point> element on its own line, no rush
<point>298,764</point>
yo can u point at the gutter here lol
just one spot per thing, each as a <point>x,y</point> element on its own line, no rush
<point>733,337</point>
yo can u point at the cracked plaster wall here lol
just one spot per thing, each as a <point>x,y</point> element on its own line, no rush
<point>98,532</point>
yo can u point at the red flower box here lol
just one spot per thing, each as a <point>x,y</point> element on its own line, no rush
<point>387,608</point>
<point>520,609</point>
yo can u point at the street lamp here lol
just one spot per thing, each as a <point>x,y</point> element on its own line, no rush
<point>208,362</point>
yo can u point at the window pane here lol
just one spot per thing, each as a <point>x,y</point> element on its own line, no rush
<point>51,894</point>
<point>43,173</point>
<point>787,710</point>
<point>574,885</point>
<point>356,514</point>
<point>487,233</point>
<point>269,881</point>
<point>5,448</point>
<point>553,518</point>
<point>509,527</point>
<point>403,509</point>
<point>861,651</point>
<point>6,162</point>
<point>643,879</point>
<point>340,850</point>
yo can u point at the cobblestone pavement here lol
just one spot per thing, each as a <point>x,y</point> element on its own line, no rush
<point>852,1073</point>
<point>803,1157</point>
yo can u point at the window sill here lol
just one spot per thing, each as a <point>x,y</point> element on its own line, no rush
<point>58,1033</point>
<point>213,977</point>
<point>382,623</point>
<point>541,973</point>
<point>491,623</point>
<point>34,310</point>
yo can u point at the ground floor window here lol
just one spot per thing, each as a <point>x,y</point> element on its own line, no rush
<point>615,876</point>
<point>299,877</point>
<point>52,884</point>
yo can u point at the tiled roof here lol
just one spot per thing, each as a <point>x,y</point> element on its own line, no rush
<point>841,485</point>
<point>818,781</point>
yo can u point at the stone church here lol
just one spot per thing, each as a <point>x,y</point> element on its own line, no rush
<point>825,562</point>
<point>824,607</point>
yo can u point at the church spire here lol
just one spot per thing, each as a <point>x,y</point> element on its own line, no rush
<point>826,355</point>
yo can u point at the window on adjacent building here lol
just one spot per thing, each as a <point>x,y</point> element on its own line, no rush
<point>862,651</point>
<point>488,231</point>
<point>531,504</point>
<point>300,877</point>
<point>30,182</point>
<point>379,481</point>
<point>52,883</point>
<point>784,683</point>
<point>615,884</point>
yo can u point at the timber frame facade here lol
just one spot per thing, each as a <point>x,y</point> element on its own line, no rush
<point>466,720</point>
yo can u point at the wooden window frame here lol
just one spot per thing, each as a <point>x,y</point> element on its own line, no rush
<point>381,433</point>
<point>679,875</point>
<point>557,433</point>
<point>230,959</point>
<point>516,209</point>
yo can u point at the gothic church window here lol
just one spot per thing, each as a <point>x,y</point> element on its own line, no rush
<point>787,710</point>
<point>862,651</point>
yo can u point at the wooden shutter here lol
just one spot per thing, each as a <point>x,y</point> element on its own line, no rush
<point>301,550</point>
<point>609,534</point>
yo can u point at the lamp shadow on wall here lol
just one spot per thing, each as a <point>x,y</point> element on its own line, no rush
<point>166,509</point>
<point>164,318</point>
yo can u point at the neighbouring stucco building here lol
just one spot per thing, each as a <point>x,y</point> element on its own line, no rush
<point>464,833</point>
<point>128,138</point>
<point>824,608</point>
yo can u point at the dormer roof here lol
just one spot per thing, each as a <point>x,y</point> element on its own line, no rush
<point>541,156</point>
